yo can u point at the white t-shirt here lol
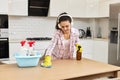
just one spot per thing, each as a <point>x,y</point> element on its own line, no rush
<point>67,48</point>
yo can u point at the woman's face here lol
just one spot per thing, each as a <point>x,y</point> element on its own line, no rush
<point>65,26</point>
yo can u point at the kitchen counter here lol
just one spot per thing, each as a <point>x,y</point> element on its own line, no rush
<point>100,39</point>
<point>85,69</point>
<point>19,40</point>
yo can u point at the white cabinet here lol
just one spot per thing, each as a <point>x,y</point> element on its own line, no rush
<point>92,8</point>
<point>18,7</point>
<point>77,8</point>
<point>114,1</point>
<point>3,6</point>
<point>100,50</point>
<point>57,7</point>
<point>87,45</point>
<point>104,8</point>
<point>83,8</point>
<point>95,49</point>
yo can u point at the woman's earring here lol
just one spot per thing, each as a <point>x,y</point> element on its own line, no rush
<point>59,26</point>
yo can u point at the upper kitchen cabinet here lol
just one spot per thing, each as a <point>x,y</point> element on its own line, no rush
<point>104,8</point>
<point>3,6</point>
<point>114,1</point>
<point>77,8</point>
<point>18,7</point>
<point>84,8</point>
<point>57,7</point>
<point>92,8</point>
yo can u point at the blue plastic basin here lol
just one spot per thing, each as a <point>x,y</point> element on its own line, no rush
<point>27,61</point>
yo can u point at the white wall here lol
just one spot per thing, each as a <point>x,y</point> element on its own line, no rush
<point>22,27</point>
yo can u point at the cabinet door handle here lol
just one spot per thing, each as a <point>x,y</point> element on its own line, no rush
<point>3,39</point>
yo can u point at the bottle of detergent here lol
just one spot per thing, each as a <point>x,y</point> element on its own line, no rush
<point>23,50</point>
<point>31,50</point>
<point>79,52</point>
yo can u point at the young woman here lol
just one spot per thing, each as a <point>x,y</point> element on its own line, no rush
<point>63,42</point>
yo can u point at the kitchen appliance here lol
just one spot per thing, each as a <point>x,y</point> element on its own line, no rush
<point>4,49</point>
<point>38,7</point>
<point>4,39</point>
<point>3,21</point>
<point>114,36</point>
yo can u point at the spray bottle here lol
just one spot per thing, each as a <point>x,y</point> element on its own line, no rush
<point>23,50</point>
<point>31,50</point>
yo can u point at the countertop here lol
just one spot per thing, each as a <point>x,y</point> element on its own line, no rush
<point>30,38</point>
<point>18,40</point>
<point>100,39</point>
<point>85,69</point>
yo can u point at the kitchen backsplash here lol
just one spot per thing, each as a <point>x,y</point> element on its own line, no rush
<point>21,27</point>
<point>104,26</point>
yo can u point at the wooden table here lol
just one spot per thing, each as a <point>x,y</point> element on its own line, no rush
<point>62,69</point>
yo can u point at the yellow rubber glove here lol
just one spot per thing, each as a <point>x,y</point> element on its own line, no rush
<point>47,62</point>
<point>79,46</point>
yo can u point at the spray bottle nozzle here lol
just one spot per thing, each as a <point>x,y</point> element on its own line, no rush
<point>79,47</point>
<point>31,43</point>
<point>22,43</point>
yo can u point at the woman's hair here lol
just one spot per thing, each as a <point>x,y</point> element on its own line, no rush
<point>63,17</point>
